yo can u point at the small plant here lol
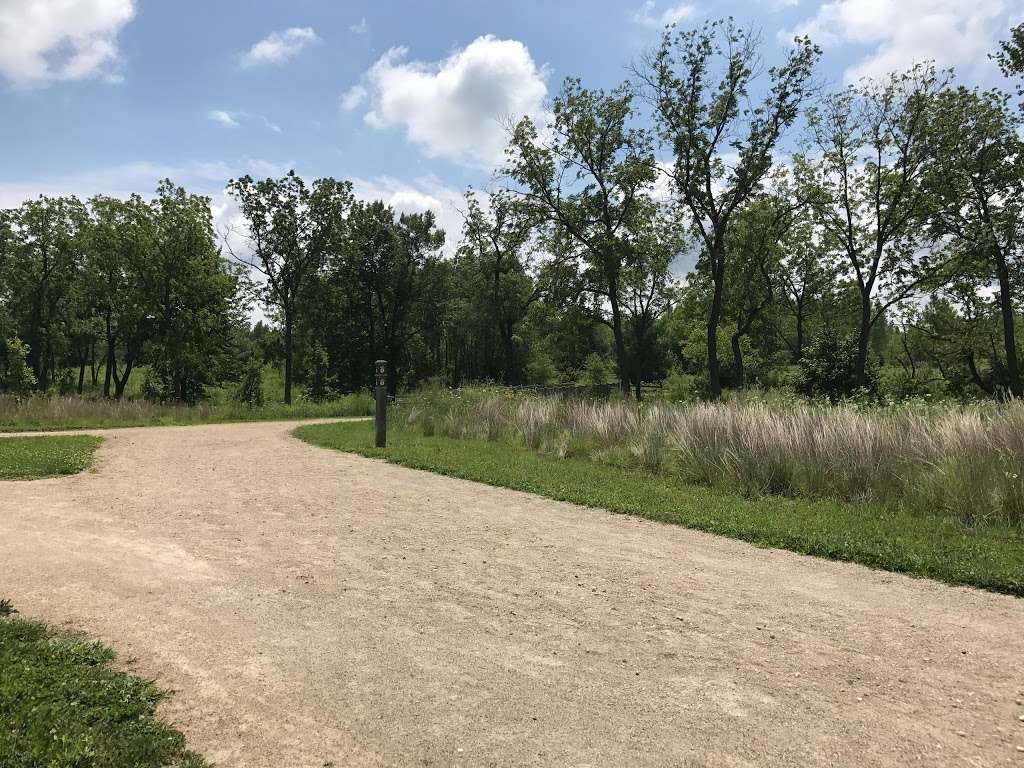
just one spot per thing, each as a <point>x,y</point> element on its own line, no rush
<point>6,609</point>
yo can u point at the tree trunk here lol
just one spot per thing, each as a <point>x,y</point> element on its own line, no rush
<point>1009,333</point>
<point>714,318</point>
<point>621,358</point>
<point>81,376</point>
<point>863,340</point>
<point>93,371</point>
<point>799,352</point>
<point>737,361</point>
<point>109,367</point>
<point>287,358</point>
<point>123,381</point>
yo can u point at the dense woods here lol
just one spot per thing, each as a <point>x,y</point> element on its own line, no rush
<point>712,224</point>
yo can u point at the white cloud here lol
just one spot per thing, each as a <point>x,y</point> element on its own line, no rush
<point>235,119</point>
<point>454,108</point>
<point>648,15</point>
<point>353,97</point>
<point>903,32</point>
<point>223,117</point>
<point>361,28</point>
<point>46,41</point>
<point>422,194</point>
<point>279,47</point>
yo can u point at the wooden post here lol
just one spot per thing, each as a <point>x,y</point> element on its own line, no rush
<point>381,395</point>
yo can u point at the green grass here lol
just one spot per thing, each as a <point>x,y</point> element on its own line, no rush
<point>54,413</point>
<point>989,556</point>
<point>62,705</point>
<point>28,458</point>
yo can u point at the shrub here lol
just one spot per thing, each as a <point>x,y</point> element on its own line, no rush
<point>249,391</point>
<point>597,369</point>
<point>828,369</point>
<point>18,378</point>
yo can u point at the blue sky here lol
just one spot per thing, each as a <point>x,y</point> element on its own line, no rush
<point>404,98</point>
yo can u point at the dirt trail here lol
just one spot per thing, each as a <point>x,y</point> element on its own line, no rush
<point>314,608</point>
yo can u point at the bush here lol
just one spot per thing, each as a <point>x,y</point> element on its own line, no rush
<point>828,368</point>
<point>597,369</point>
<point>250,387</point>
<point>18,378</point>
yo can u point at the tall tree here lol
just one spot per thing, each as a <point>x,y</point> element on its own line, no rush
<point>291,229</point>
<point>870,149</point>
<point>393,260</point>
<point>589,174</point>
<point>722,134</point>
<point>197,310</point>
<point>118,247</point>
<point>494,267</point>
<point>752,277</point>
<point>978,200</point>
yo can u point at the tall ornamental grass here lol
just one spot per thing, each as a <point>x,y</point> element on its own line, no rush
<point>967,462</point>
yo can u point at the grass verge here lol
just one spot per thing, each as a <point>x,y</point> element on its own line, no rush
<point>989,556</point>
<point>62,705</point>
<point>57,413</point>
<point>29,458</point>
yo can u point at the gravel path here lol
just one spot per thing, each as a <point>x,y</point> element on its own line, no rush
<point>314,608</point>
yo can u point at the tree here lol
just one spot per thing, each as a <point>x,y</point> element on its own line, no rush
<point>43,266</point>
<point>871,147</point>
<point>590,176</point>
<point>978,199</point>
<point>807,276</point>
<point>393,262</point>
<point>494,266</point>
<point>754,244</point>
<point>705,117</point>
<point>118,245</point>
<point>194,295</point>
<point>291,229</point>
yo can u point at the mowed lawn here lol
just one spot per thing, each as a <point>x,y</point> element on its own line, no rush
<point>29,458</point>
<point>990,556</point>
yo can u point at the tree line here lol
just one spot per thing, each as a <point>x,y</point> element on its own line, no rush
<point>842,242</point>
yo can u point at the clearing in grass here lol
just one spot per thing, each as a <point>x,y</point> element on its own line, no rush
<point>62,705</point>
<point>989,555</point>
<point>29,458</point>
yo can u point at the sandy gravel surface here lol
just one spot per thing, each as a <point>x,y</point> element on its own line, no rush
<point>313,608</point>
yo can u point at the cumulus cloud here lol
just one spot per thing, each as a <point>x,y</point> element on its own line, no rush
<point>353,97</point>
<point>649,15</point>
<point>279,47</point>
<point>46,41</point>
<point>903,32</point>
<point>454,108</point>
<point>361,28</point>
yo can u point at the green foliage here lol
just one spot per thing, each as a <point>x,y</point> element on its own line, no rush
<point>28,458</point>
<point>597,369</point>
<point>541,369</point>
<point>63,705</point>
<point>249,391</point>
<point>17,378</point>
<point>829,369</point>
<point>989,556</point>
